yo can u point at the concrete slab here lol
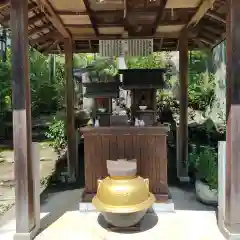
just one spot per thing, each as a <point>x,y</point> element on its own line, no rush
<point>61,219</point>
<point>182,225</point>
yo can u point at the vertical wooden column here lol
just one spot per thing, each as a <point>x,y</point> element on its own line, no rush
<point>182,131</point>
<point>232,208</point>
<point>22,129</point>
<point>70,121</point>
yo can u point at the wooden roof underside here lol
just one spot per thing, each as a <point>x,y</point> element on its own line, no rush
<point>87,21</point>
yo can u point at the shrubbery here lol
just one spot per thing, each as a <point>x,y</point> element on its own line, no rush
<point>56,134</point>
<point>204,161</point>
<point>48,95</point>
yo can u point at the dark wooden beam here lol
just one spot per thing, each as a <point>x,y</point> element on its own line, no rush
<point>206,40</point>
<point>44,46</point>
<point>31,7</point>
<point>213,29</point>
<point>59,49</point>
<point>105,25</point>
<point>39,29</point>
<point>161,43</point>
<point>91,16</point>
<point>36,18</point>
<point>159,16</point>
<point>232,217</point>
<point>47,36</point>
<point>52,46</point>
<point>211,34</point>
<point>165,35</point>
<point>201,44</point>
<point>216,16</point>
<point>121,24</point>
<point>70,121</point>
<point>22,128</point>
<point>149,9</point>
<point>182,143</point>
<point>51,15</point>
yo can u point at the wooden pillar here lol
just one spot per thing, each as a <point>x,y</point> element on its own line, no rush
<point>182,130</point>
<point>232,208</point>
<point>22,128</point>
<point>70,121</point>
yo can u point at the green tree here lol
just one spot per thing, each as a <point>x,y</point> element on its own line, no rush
<point>155,60</point>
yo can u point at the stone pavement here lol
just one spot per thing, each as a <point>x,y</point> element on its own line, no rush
<point>48,158</point>
<point>61,219</point>
<point>181,225</point>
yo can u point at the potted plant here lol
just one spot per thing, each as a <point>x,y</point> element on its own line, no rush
<point>206,183</point>
<point>192,159</point>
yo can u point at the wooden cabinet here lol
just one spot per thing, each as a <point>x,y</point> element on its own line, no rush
<point>146,144</point>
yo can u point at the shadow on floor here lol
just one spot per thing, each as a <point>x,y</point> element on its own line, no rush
<point>147,223</point>
<point>60,197</point>
<point>56,185</point>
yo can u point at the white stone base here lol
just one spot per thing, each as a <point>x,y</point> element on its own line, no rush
<point>157,207</point>
<point>228,235</point>
<point>26,236</point>
<point>225,232</point>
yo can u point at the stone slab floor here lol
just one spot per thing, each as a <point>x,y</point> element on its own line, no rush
<point>61,219</point>
<point>48,159</point>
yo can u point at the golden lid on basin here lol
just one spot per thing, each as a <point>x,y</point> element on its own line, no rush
<point>123,195</point>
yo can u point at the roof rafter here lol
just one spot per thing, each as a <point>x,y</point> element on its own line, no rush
<point>91,16</point>
<point>31,7</point>
<point>49,35</point>
<point>45,45</point>
<point>53,45</point>
<point>159,16</point>
<point>51,15</point>
<point>36,18</point>
<point>207,41</point>
<point>38,29</point>
<point>204,6</point>
<point>216,16</point>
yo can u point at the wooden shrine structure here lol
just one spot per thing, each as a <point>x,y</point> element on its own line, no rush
<point>60,26</point>
<point>143,85</point>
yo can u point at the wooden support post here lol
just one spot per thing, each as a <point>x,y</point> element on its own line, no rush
<point>25,197</point>
<point>182,130</point>
<point>71,132</point>
<point>232,208</point>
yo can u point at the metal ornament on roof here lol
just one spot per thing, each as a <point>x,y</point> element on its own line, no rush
<point>126,47</point>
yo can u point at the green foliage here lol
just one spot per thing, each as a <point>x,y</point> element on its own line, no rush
<point>199,62</point>
<point>104,66</point>
<point>204,161</point>
<point>201,81</point>
<point>5,89</point>
<point>56,134</point>
<point>201,91</point>
<point>155,60</point>
<point>46,95</point>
